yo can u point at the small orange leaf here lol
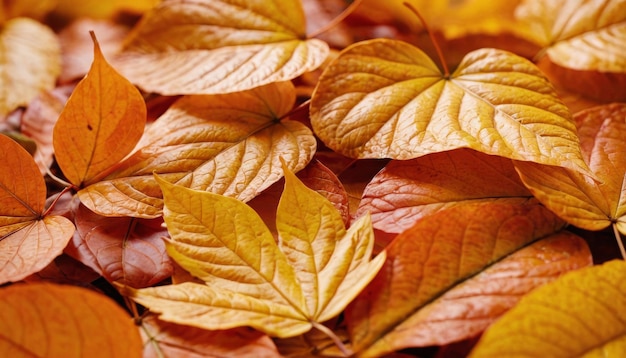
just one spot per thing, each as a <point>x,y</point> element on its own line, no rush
<point>219,46</point>
<point>100,124</point>
<point>583,313</point>
<point>46,320</point>
<point>387,99</point>
<point>432,256</point>
<point>23,38</point>
<point>405,191</point>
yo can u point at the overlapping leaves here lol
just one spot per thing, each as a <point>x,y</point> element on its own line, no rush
<point>282,289</point>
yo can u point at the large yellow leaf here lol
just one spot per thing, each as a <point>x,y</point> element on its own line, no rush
<point>100,124</point>
<point>28,240</point>
<point>589,203</point>
<point>219,46</point>
<point>582,314</point>
<point>386,98</point>
<point>251,280</point>
<point>22,80</point>
<point>101,9</point>
<point>435,254</point>
<point>227,144</point>
<point>46,320</point>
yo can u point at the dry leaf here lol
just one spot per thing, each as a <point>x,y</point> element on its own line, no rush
<point>405,191</point>
<point>386,98</point>
<point>581,314</point>
<point>283,290</point>
<point>100,124</point>
<point>219,46</point>
<point>20,39</point>
<point>97,9</point>
<point>47,320</point>
<point>434,255</point>
<point>227,144</point>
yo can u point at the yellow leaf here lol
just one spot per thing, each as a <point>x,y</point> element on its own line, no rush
<point>28,241</point>
<point>22,80</point>
<point>583,201</point>
<point>219,46</point>
<point>100,124</point>
<point>249,279</point>
<point>386,98</point>
<point>36,9</point>
<point>226,144</point>
<point>101,9</point>
<point>46,320</point>
<point>583,313</point>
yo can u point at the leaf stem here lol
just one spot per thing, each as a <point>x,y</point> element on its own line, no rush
<point>618,237</point>
<point>444,65</point>
<point>345,13</point>
<point>327,331</point>
<point>65,190</point>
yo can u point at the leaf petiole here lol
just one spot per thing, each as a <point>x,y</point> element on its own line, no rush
<point>327,331</point>
<point>618,237</point>
<point>444,65</point>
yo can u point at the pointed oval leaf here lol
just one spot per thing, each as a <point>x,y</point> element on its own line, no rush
<point>470,306</point>
<point>20,39</point>
<point>226,144</point>
<point>100,124</point>
<point>219,46</point>
<point>172,340</point>
<point>428,259</point>
<point>591,204</point>
<point>46,320</point>
<point>583,313</point>
<point>127,250</point>
<point>405,191</point>
<point>386,98</point>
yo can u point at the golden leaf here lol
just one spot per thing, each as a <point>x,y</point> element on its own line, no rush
<point>583,313</point>
<point>386,98</point>
<point>219,46</point>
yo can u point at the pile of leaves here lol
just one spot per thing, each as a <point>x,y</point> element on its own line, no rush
<point>275,178</point>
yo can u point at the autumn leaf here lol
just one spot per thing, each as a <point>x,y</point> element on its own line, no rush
<point>47,320</point>
<point>580,314</point>
<point>100,124</point>
<point>29,241</point>
<point>405,191</point>
<point>219,46</point>
<point>21,81</point>
<point>282,289</point>
<point>386,98</point>
<point>583,201</point>
<point>438,252</point>
<point>226,144</point>
<point>96,9</point>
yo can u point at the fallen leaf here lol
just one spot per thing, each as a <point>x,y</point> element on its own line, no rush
<point>434,255</point>
<point>48,320</point>
<point>405,191</point>
<point>164,339</point>
<point>588,203</point>
<point>23,38</point>
<point>126,250</point>
<point>35,9</point>
<point>219,46</point>
<point>65,270</point>
<point>100,124</point>
<point>226,144</point>
<point>385,98</point>
<point>586,309</point>
<point>28,240</point>
<point>96,9</point>
<point>251,280</point>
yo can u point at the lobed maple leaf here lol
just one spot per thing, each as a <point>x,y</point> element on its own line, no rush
<point>282,289</point>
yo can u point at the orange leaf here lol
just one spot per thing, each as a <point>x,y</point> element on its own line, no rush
<point>387,99</point>
<point>164,339</point>
<point>127,250</point>
<point>581,314</point>
<point>591,204</point>
<point>46,320</point>
<point>100,124</point>
<point>436,253</point>
<point>28,241</point>
<point>405,191</point>
<point>219,46</point>
<point>226,144</point>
